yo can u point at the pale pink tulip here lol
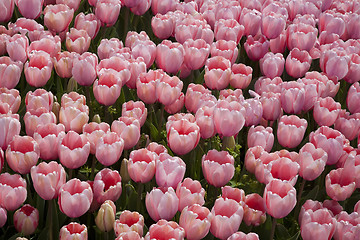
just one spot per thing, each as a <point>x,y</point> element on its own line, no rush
<point>190,192</point>
<point>291,130</point>
<point>128,128</point>
<point>157,199</point>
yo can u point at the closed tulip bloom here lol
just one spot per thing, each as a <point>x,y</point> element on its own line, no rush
<point>17,46</point>
<point>183,136</point>
<point>107,185</point>
<point>196,221</point>
<point>272,24</point>
<point>30,9</point>
<point>228,29</point>
<point>229,117</point>
<point>73,231</point>
<point>84,68</point>
<point>241,76</point>
<point>22,153</point>
<point>322,221</point>
<point>250,18</point>
<point>347,124</point>
<point>75,198</point>
<point>334,63</point>
<point>168,89</point>
<point>128,128</point>
<point>93,132</point>
<point>301,36</point>
<point>272,65</point>
<point>8,7</point>
<point>109,148</point>
<point>157,199</point>
<point>135,109</point>
<point>108,46</point>
<point>169,170</point>
<point>74,150</point>
<point>277,45</point>
<point>63,63</point>
<point>217,72</point>
<point>164,229</point>
<point>10,97</point>
<point>291,130</point>
<point>205,121</point>
<point>141,165</point>
<point>243,236</point>
<point>12,191</point>
<point>57,17</point>
<point>107,88</point>
<point>10,72</point>
<point>26,219</point>
<point>129,221</point>
<point>226,49</point>
<point>297,63</point>
<point>353,96</point>
<point>271,105</point>
<point>47,179</point>
<point>90,23</point>
<point>105,218</point>
<point>162,25</point>
<point>234,193</point>
<point>136,67</point>
<point>40,98</point>
<point>254,210</point>
<point>331,22</point>
<point>193,95</point>
<point>292,97</point>
<point>261,136</point>
<point>146,85</point>
<point>347,225</point>
<point>280,198</point>
<point>35,118</point>
<point>9,126</point>
<point>227,217</point>
<point>170,56</point>
<point>74,4</point>
<point>190,192</point>
<point>196,53</point>
<point>312,161</point>
<point>326,111</point>
<point>256,47</point>
<point>145,49</point>
<point>108,11</point>
<point>253,111</point>
<point>77,41</point>
<point>218,167</point>
<point>74,116</point>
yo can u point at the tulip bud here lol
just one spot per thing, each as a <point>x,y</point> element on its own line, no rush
<point>106,216</point>
<point>228,142</point>
<point>124,170</point>
<point>56,109</point>
<point>26,219</point>
<point>96,118</point>
<point>72,85</point>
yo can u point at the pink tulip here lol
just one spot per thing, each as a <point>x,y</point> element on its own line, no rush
<point>26,219</point>
<point>169,56</point>
<point>93,132</point>
<point>283,169</point>
<point>73,231</point>
<point>169,170</point>
<point>136,67</point>
<point>129,235</point>
<point>77,41</point>
<point>272,65</point>
<point>243,236</point>
<point>353,74</point>
<point>241,76</point>
<point>226,49</point>
<point>156,148</point>
<point>12,191</point>
<point>217,72</point>
<point>90,23</point>
<point>35,118</point>
<point>30,9</point>
<point>48,44</point>
<point>168,89</point>
<point>163,7</point>
<point>141,166</point>
<point>196,221</point>
<point>10,72</point>
<point>10,127</point>
<point>116,66</point>
<point>254,210</point>
<point>301,36</point>
<point>155,201</point>
<point>326,111</point>
<point>205,121</point>
<point>129,221</point>
<point>268,85</point>
<point>196,53</point>
<point>309,206</point>
<point>108,46</point>
<point>109,148</point>
<point>162,25</point>
<point>347,225</point>
<point>188,27</point>
<point>297,63</point>
<point>190,192</point>
<point>321,220</point>
<point>135,109</point>
<point>107,88</point>
<point>331,22</point>
<point>277,45</point>
<point>312,161</point>
<point>107,185</point>
<point>272,24</point>
<point>228,29</point>
<point>334,63</point>
<point>38,69</point>
<point>3,216</point>
<point>271,106</point>
<point>347,124</point>
<point>256,47</point>
<point>218,167</point>
<point>236,194</point>
<point>353,96</point>
<point>145,49</point>
<point>84,68</point>
<point>22,153</point>
<point>227,217</point>
<point>229,117</point>
<point>128,128</point>
<point>28,26</point>
<point>74,4</point>
<point>193,95</point>
<point>11,98</point>
<point>146,85</point>
<point>57,17</point>
<point>108,11</point>
<point>63,63</point>
<point>8,8</point>
<point>292,97</point>
<point>251,20</point>
<point>278,193</point>
<point>74,150</point>
<point>17,46</point>
<point>261,136</point>
<point>75,198</point>
<point>165,229</point>
<point>183,136</point>
<point>291,130</point>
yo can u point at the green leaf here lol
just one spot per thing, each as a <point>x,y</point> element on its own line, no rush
<point>281,232</point>
<point>296,236</point>
<point>312,194</point>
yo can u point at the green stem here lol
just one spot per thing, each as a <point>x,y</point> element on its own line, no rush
<point>49,219</point>
<point>139,193</point>
<point>272,234</point>
<point>107,114</point>
<point>297,209</point>
<point>93,165</point>
<point>88,100</point>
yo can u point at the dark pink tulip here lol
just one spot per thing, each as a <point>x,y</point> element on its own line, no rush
<point>347,124</point>
<point>108,11</point>
<point>129,222</point>
<point>30,9</point>
<point>243,236</point>
<point>11,98</point>
<point>164,229</point>
<point>326,111</point>
<point>251,20</point>
<point>254,210</point>
<point>322,221</point>
<point>256,47</point>
<point>22,153</point>
<point>227,217</point>
<point>333,206</point>
<point>196,53</point>
<point>297,63</point>
<point>63,63</point>
<point>229,117</point>
<point>35,118</point>
<point>334,63</point>
<point>57,17</point>
<point>353,96</point>
<point>292,97</point>
<point>277,45</point>
<point>261,136</point>
<point>49,44</point>
<point>347,225</point>
<point>218,167</point>
<point>109,149</point>
<point>93,132</point>
<point>10,72</point>
<point>169,56</point>
<point>141,8</point>
<point>128,128</point>
<point>108,46</point>
<point>17,46</point>
<point>301,36</point>
<point>241,76</point>
<point>155,201</point>
<point>74,149</point>
<point>9,127</point>
<point>75,198</point>
<point>229,30</point>
<point>278,193</point>
<point>26,219</point>
<point>272,65</point>
<point>12,191</point>
<point>190,192</point>
<point>196,221</point>
<point>169,170</point>
<point>168,89</point>
<point>107,88</point>
<point>84,68</point>
<point>47,179</point>
<point>226,49</point>
<point>73,231</point>
<point>77,41</point>
<point>282,168</point>
<point>236,194</point>
<point>38,69</point>
<point>8,8</point>
<point>141,166</point>
<point>291,130</point>
<point>107,185</point>
<point>217,72</point>
<point>312,161</point>
<point>90,23</point>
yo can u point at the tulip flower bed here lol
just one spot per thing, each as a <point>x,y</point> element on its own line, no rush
<point>168,119</point>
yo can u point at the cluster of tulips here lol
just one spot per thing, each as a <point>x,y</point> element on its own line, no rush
<point>169,119</point>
